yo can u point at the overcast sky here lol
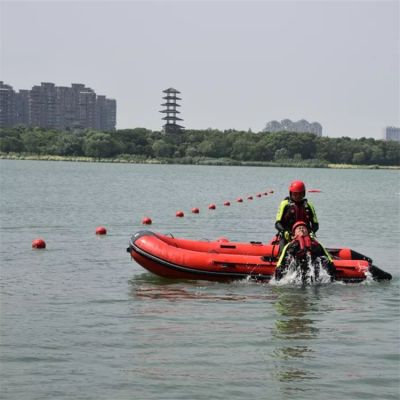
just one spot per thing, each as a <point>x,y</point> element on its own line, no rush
<point>237,64</point>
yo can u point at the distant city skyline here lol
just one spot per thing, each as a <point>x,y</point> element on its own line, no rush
<point>59,107</point>
<point>237,64</point>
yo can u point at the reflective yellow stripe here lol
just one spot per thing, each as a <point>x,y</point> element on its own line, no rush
<point>279,216</point>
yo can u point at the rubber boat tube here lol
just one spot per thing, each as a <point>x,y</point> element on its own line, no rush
<point>174,258</point>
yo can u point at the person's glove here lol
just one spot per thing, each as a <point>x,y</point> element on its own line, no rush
<point>287,236</point>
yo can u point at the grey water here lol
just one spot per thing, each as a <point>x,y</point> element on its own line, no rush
<point>82,320</point>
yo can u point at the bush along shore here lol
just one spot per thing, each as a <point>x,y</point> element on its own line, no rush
<point>195,161</point>
<point>198,147</point>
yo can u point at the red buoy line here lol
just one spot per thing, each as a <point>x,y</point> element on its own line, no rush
<point>101,230</point>
<point>212,206</point>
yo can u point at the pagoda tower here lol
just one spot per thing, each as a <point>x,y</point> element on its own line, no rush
<point>171,127</point>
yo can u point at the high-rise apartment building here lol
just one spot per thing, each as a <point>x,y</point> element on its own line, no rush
<point>391,133</point>
<point>22,107</point>
<point>299,126</point>
<point>42,106</point>
<point>106,113</point>
<point>7,105</point>
<point>59,107</point>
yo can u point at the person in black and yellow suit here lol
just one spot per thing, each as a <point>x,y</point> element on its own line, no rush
<point>295,208</point>
<point>302,251</point>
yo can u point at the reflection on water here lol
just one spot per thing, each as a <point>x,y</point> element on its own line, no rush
<point>153,287</point>
<point>294,327</point>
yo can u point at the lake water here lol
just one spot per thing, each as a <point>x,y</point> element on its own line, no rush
<point>81,320</point>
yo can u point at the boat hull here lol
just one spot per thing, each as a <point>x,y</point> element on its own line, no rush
<point>224,261</point>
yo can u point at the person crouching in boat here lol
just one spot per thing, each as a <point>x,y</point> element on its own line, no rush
<point>292,209</point>
<point>302,250</point>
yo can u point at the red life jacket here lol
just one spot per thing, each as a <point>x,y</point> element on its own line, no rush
<point>306,246</point>
<point>297,212</point>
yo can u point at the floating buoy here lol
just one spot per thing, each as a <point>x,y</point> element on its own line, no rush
<point>258,195</point>
<point>249,197</point>
<point>101,230</point>
<point>222,240</point>
<point>146,221</point>
<point>226,203</point>
<point>271,191</point>
<point>265,193</point>
<point>239,200</point>
<point>314,191</point>
<point>38,244</point>
<point>179,214</point>
<point>195,210</point>
<point>211,207</point>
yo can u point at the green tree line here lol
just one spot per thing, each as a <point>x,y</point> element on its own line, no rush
<point>190,145</point>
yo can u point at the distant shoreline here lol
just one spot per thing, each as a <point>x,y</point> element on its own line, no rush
<point>211,162</point>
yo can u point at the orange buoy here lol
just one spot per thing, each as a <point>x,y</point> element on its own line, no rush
<point>222,240</point>
<point>101,230</point>
<point>239,200</point>
<point>226,203</point>
<point>314,191</point>
<point>146,221</point>
<point>211,207</point>
<point>258,195</point>
<point>195,210</point>
<point>265,193</point>
<point>38,244</point>
<point>271,191</point>
<point>179,214</point>
<point>249,197</point>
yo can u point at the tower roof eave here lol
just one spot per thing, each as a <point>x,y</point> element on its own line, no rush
<point>171,90</point>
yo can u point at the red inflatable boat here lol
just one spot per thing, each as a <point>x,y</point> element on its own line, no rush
<point>225,261</point>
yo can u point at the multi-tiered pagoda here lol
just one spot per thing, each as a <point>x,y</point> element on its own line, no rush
<point>171,127</point>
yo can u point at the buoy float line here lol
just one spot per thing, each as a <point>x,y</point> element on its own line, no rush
<point>147,221</point>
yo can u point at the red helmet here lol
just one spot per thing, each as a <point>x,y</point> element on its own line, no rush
<point>297,187</point>
<point>298,223</point>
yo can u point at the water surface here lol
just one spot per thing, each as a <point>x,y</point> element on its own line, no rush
<point>81,320</point>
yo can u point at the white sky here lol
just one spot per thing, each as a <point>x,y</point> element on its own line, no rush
<point>237,64</point>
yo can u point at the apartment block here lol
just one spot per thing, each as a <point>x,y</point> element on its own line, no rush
<point>7,105</point>
<point>22,107</point>
<point>391,133</point>
<point>59,107</point>
<point>106,113</point>
<point>299,126</point>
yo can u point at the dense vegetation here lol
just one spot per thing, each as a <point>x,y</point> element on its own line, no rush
<point>201,146</point>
